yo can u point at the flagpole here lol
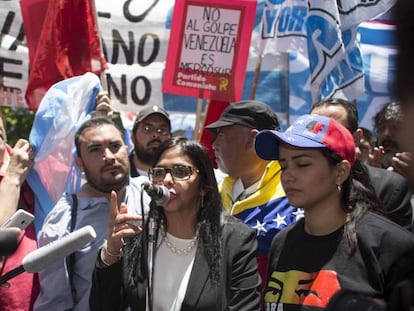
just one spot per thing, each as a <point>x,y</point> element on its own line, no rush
<point>198,119</point>
<point>203,122</point>
<point>260,52</point>
<point>257,69</point>
<point>102,77</point>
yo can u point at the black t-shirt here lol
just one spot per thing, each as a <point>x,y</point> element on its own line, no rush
<point>305,271</point>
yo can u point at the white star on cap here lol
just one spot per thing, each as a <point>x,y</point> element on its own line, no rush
<point>301,121</point>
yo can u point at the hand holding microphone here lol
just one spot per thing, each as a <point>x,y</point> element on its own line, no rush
<point>159,193</point>
<point>9,240</point>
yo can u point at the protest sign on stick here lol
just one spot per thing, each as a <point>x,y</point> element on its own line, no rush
<point>208,48</point>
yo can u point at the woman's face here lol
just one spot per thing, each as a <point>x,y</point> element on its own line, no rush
<point>307,177</point>
<point>185,194</point>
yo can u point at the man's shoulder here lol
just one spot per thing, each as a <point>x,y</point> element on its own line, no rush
<point>56,222</point>
<point>377,174</point>
<point>135,185</point>
<point>387,183</point>
<point>374,229</point>
<point>136,194</point>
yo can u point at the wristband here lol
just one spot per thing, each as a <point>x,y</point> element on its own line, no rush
<point>104,262</point>
<point>105,248</point>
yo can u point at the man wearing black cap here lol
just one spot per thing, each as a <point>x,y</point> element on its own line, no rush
<point>252,190</point>
<point>152,126</point>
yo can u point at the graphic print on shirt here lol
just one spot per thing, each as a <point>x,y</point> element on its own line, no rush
<point>300,288</point>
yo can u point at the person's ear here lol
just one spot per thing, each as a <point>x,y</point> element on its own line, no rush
<point>251,138</point>
<point>358,135</point>
<point>79,163</point>
<point>343,170</point>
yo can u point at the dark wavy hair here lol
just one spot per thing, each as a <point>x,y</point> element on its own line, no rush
<point>357,197</point>
<point>209,215</point>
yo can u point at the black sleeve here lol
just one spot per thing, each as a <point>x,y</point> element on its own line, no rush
<point>106,293</point>
<point>241,245</point>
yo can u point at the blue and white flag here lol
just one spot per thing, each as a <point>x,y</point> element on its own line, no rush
<point>64,107</point>
<point>378,43</point>
<point>325,33</point>
<point>353,12</point>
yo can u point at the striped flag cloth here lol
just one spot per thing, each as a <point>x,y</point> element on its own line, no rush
<point>65,106</point>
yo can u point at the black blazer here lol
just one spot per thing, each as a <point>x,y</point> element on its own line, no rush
<point>393,190</point>
<point>112,288</point>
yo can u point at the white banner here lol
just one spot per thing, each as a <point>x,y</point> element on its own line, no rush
<point>135,35</point>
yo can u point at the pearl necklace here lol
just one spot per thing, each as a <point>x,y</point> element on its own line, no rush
<point>180,252</point>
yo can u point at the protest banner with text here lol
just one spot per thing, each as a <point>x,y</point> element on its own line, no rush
<point>208,56</point>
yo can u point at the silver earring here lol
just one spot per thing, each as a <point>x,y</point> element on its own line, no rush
<point>339,188</point>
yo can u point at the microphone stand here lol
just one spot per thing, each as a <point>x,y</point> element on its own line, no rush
<point>152,245</point>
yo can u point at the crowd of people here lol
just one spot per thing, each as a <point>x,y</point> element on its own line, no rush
<point>316,217</point>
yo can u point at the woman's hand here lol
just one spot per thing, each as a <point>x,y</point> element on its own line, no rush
<point>121,225</point>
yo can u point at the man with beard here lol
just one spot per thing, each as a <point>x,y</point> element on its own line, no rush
<point>103,157</point>
<point>151,127</point>
<point>388,154</point>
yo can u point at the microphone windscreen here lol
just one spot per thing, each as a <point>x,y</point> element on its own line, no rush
<point>43,256</point>
<point>8,241</point>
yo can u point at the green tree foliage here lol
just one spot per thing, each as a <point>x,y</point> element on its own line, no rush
<point>19,123</point>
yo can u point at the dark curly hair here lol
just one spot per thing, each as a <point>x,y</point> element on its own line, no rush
<point>390,112</point>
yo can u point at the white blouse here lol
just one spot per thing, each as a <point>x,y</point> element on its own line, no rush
<point>171,274</point>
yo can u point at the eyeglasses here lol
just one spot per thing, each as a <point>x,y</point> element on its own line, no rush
<point>178,172</point>
<point>149,129</point>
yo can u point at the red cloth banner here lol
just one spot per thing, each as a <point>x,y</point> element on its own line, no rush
<point>208,48</point>
<point>68,43</point>
<point>213,113</point>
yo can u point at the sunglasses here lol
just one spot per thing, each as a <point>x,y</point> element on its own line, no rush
<point>178,172</point>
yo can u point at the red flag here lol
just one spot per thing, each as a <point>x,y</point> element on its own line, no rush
<point>68,43</point>
<point>215,108</point>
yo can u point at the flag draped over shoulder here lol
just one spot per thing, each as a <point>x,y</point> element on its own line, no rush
<point>325,33</point>
<point>68,43</point>
<point>64,107</point>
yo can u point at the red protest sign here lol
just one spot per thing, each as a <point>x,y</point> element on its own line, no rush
<point>208,48</point>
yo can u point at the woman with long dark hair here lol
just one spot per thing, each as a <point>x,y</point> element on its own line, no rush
<point>204,260</point>
<point>341,244</point>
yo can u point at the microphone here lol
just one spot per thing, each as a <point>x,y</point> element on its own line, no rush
<point>9,240</point>
<point>44,256</point>
<point>159,193</point>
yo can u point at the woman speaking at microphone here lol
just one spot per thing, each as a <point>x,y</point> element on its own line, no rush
<point>204,258</point>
